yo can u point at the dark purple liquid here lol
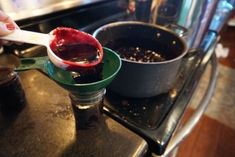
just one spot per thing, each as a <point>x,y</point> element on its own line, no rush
<point>86,118</point>
<point>140,54</point>
<point>88,75</point>
<point>82,53</point>
<point>78,53</point>
<point>86,114</point>
<point>12,96</point>
<point>76,46</point>
<point>141,50</point>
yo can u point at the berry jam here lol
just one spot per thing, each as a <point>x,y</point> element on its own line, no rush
<point>83,53</point>
<point>12,96</point>
<point>88,75</point>
<point>140,54</point>
<point>76,46</point>
<point>140,50</point>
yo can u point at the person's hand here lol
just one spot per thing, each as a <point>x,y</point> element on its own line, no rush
<point>7,26</point>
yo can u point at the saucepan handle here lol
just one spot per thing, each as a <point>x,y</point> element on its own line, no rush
<point>39,63</point>
<point>192,52</point>
<point>180,30</point>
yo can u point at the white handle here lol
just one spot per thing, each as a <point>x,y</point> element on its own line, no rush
<point>28,37</point>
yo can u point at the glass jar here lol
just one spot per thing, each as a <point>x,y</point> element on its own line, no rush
<point>12,96</point>
<point>87,108</point>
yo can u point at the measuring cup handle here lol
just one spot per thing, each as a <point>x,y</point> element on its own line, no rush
<point>39,63</point>
<point>28,37</point>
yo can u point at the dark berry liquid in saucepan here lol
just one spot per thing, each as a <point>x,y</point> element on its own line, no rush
<point>141,50</point>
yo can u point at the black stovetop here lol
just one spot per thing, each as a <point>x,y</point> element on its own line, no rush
<point>156,118</point>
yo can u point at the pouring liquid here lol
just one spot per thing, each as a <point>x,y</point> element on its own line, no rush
<point>83,53</point>
<point>70,46</point>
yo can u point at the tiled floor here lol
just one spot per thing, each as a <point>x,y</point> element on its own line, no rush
<point>214,135</point>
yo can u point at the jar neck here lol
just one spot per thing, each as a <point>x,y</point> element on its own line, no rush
<point>88,98</point>
<point>6,75</point>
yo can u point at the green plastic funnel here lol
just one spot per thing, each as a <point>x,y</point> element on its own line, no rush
<point>111,66</point>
